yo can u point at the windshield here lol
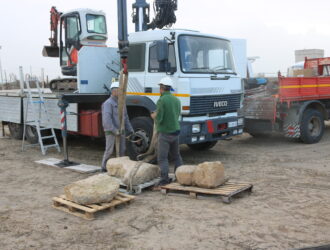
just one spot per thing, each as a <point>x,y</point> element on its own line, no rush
<point>96,24</point>
<point>205,55</point>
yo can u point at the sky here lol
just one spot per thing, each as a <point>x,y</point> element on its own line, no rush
<point>273,29</point>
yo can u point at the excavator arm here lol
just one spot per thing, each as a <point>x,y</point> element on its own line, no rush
<point>53,49</point>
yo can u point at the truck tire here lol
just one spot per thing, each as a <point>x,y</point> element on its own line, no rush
<point>16,130</point>
<point>143,126</point>
<point>203,145</point>
<point>31,134</point>
<point>312,126</point>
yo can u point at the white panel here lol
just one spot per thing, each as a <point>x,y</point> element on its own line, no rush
<point>96,68</point>
<point>54,114</point>
<point>10,109</point>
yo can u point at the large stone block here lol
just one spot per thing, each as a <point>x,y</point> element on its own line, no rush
<point>123,168</point>
<point>95,189</point>
<point>185,173</point>
<point>209,174</point>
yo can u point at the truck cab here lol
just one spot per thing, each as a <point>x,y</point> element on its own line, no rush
<point>205,80</point>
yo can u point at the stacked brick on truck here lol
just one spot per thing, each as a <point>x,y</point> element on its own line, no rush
<point>296,106</point>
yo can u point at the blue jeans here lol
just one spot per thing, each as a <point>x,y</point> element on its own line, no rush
<point>168,145</point>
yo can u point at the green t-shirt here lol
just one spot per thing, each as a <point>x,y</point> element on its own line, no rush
<point>168,113</point>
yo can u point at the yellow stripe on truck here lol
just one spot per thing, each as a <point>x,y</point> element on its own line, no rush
<point>304,86</point>
<point>155,94</point>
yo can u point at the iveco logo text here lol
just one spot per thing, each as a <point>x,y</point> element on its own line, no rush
<point>220,104</point>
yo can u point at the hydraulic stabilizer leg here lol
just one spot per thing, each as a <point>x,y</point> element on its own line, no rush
<point>65,163</point>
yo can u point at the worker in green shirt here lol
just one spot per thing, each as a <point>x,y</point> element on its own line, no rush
<point>168,128</point>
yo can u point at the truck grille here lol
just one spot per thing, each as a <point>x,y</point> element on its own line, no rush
<point>214,104</point>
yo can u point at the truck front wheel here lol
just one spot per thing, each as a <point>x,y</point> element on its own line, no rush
<point>143,127</point>
<point>16,130</point>
<point>203,145</point>
<point>312,126</point>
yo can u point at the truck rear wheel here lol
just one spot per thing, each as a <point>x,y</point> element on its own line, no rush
<point>143,126</point>
<point>203,145</point>
<point>312,126</point>
<point>31,134</point>
<point>16,130</point>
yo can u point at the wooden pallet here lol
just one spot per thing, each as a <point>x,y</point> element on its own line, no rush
<point>88,211</point>
<point>225,191</point>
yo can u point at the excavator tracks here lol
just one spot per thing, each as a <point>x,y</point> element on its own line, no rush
<point>63,85</point>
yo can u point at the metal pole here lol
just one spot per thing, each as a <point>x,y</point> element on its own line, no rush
<point>64,132</point>
<point>43,78</point>
<point>1,68</point>
<point>141,19</point>
<point>21,79</point>
<point>5,76</point>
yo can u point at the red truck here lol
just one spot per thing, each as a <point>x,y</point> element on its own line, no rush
<point>296,106</point>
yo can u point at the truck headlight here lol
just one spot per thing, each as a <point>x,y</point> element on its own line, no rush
<point>196,128</point>
<point>240,121</point>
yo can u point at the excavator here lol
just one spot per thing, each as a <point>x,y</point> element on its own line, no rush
<point>70,31</point>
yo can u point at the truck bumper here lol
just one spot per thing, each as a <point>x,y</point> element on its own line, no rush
<point>193,132</point>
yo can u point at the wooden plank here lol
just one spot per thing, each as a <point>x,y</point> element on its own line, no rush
<point>75,205</point>
<point>95,206</point>
<point>65,209</point>
<point>126,195</point>
<point>121,199</point>
<point>193,195</point>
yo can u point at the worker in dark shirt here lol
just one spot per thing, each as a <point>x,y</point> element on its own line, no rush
<point>111,125</point>
<point>168,127</point>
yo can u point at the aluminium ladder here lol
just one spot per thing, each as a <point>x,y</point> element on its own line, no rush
<point>36,100</point>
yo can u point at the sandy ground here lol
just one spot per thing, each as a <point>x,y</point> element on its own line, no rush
<point>289,208</point>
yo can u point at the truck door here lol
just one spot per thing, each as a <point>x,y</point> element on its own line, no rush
<point>136,68</point>
<point>70,30</point>
<point>157,70</point>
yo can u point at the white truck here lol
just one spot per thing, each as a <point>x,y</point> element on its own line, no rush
<point>202,67</point>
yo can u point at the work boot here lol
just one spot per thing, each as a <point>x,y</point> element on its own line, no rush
<point>165,182</point>
<point>162,183</point>
<point>103,170</point>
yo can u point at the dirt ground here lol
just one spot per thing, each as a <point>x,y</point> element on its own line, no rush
<point>289,208</point>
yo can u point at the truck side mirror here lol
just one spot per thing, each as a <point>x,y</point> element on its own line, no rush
<point>162,50</point>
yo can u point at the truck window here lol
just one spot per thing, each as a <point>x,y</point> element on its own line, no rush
<point>72,28</point>
<point>205,55</point>
<point>96,24</point>
<point>156,66</point>
<point>136,57</point>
